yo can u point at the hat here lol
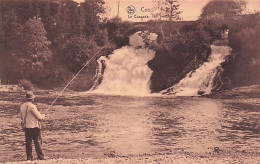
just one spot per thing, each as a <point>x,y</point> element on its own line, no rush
<point>30,95</point>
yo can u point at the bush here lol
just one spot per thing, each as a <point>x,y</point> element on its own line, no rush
<point>77,50</point>
<point>83,81</point>
<point>246,42</point>
<point>175,53</point>
<point>26,84</point>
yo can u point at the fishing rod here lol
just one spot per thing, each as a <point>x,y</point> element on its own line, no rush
<point>86,63</point>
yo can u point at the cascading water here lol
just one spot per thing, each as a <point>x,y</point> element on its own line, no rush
<point>201,80</point>
<point>99,72</point>
<point>126,71</point>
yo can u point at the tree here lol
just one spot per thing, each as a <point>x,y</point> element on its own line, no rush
<point>91,11</point>
<point>9,43</point>
<point>179,53</point>
<point>33,52</point>
<point>228,8</point>
<point>77,50</point>
<point>28,27</point>
<point>167,9</point>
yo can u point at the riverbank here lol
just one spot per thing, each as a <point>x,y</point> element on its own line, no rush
<point>252,91</point>
<point>10,88</point>
<point>214,158</point>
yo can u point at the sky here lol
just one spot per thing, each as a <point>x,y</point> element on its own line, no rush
<point>191,9</point>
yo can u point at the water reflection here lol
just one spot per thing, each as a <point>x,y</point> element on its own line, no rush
<point>189,126</point>
<point>125,129</point>
<point>240,127</point>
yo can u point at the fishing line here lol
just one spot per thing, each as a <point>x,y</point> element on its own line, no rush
<point>86,63</point>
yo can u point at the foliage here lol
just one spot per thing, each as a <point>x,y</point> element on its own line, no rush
<point>214,26</point>
<point>249,45</point>
<point>26,84</point>
<point>167,9</point>
<point>117,28</point>
<point>83,81</point>
<point>175,52</point>
<point>34,35</point>
<point>48,41</point>
<point>77,50</point>
<point>242,68</point>
<point>34,51</point>
<point>34,40</point>
<point>9,39</point>
<point>91,11</point>
<point>113,26</point>
<point>229,8</point>
<point>26,50</point>
<point>9,31</point>
<point>101,37</point>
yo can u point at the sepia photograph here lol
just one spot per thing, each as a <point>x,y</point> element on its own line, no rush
<point>130,81</point>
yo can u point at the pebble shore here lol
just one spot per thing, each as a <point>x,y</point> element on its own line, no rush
<point>153,159</point>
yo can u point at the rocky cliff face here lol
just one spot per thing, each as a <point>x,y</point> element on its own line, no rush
<point>204,79</point>
<point>169,70</point>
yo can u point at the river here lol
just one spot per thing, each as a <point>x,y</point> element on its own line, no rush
<point>110,122</point>
<point>94,125</point>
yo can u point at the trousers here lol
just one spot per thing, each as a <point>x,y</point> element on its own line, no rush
<point>33,134</point>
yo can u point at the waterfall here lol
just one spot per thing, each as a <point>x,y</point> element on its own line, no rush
<point>126,71</point>
<point>201,80</point>
<point>99,72</point>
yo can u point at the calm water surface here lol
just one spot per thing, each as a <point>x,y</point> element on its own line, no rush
<point>98,125</point>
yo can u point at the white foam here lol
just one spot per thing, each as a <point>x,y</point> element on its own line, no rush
<point>201,80</point>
